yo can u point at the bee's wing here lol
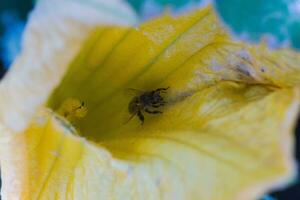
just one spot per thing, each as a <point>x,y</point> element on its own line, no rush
<point>133,92</point>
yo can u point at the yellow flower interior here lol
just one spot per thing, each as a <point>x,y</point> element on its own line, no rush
<point>228,109</point>
<point>181,53</point>
<point>230,150</point>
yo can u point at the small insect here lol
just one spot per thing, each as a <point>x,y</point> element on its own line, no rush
<point>72,109</point>
<point>147,101</point>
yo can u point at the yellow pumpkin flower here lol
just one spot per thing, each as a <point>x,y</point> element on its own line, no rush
<point>225,131</point>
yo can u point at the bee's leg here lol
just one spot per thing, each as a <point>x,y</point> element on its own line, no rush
<point>141,116</point>
<point>158,104</point>
<point>152,112</point>
<point>162,89</point>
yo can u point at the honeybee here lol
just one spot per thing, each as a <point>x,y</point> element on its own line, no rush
<point>146,102</point>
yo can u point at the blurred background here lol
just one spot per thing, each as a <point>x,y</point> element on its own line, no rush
<point>276,22</point>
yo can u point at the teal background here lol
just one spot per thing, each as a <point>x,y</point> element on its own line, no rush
<point>278,21</point>
<point>13,15</point>
<point>138,4</point>
<point>19,7</point>
<point>275,21</point>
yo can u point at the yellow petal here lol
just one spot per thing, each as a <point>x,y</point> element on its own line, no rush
<point>232,157</point>
<point>225,132</point>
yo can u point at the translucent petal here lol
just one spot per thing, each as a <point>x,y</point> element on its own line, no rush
<point>54,34</point>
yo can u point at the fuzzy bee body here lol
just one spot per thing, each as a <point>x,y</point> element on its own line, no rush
<point>146,102</point>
